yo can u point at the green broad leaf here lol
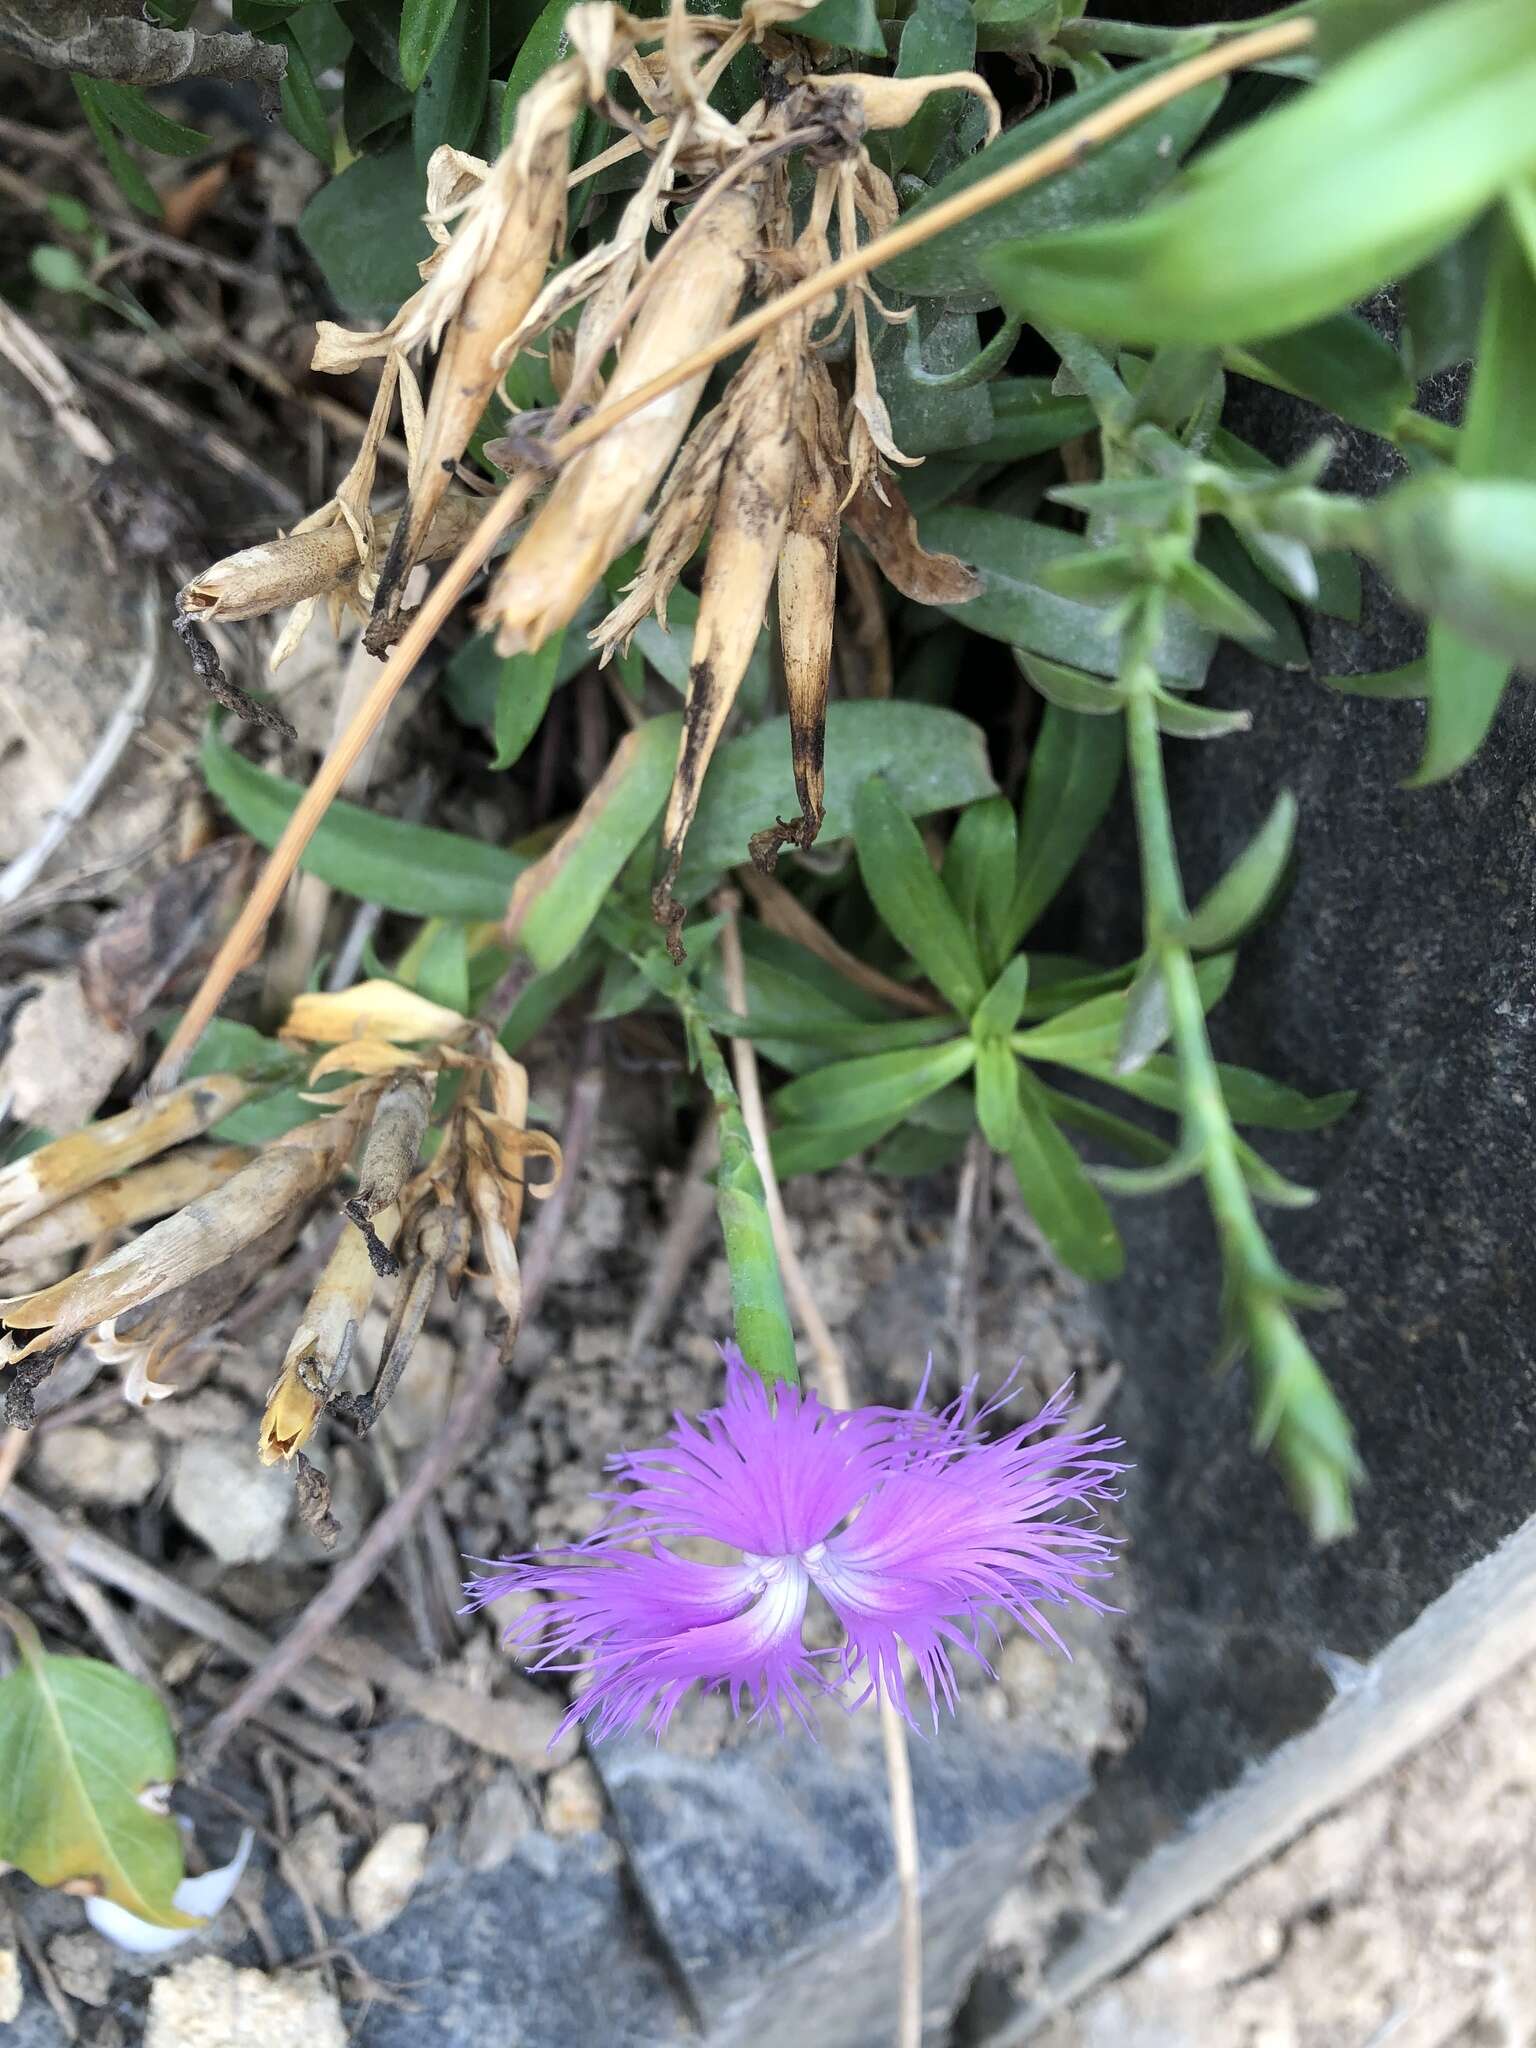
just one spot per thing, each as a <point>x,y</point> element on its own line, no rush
<point>1024,27</point>
<point>938,36</point>
<point>230,1048</point>
<point>1223,555</point>
<point>1090,1033</point>
<point>304,114</point>
<point>364,229</point>
<point>411,868</point>
<point>1176,385</point>
<point>1466,682</point>
<point>912,1151</point>
<point>886,1084</point>
<point>931,759</point>
<point>1029,418</point>
<point>1069,689</point>
<point>670,653</point>
<point>846,24</point>
<point>911,900</point>
<point>1104,1125</point>
<point>370,101</point>
<point>126,108</point>
<point>1011,555</point>
<point>1146,1022</point>
<point>1244,892</point>
<point>556,900</point>
<point>1421,128</point>
<point>998,1012</point>
<point>86,1756</point>
<point>1073,773</point>
<point>423,25</point>
<point>1182,720</point>
<point>127,176</point>
<point>451,97</point>
<point>1066,1206</point>
<point>930,416</point>
<point>997,1094</point>
<point>1442,301</point>
<point>1107,184</point>
<point>818,1147</point>
<point>980,863</point>
<point>472,680</point>
<point>374,26</point>
<point>1392,684</point>
<point>1252,1098</point>
<point>1343,365</point>
<point>524,688</point>
<point>951,1111</point>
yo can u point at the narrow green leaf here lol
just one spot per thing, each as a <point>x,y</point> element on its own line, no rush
<point>524,688</point>
<point>980,863</point>
<point>1442,300</point>
<point>1244,891</point>
<point>1393,684</point>
<point>1073,774</point>
<point>1220,608</point>
<point>1421,128</point>
<point>1029,418</point>
<point>1000,1009</point>
<point>1182,720</point>
<point>126,108</point>
<point>410,868</point>
<point>912,1151</point>
<point>997,1094</point>
<point>1252,1098</point>
<point>1281,640</point>
<point>1146,1022</point>
<point>80,1745</point>
<point>1266,1185</point>
<point>1466,682</point>
<point>887,1084</point>
<point>1107,184</point>
<point>1337,573</point>
<point>440,965</point>
<point>1066,1206</point>
<point>911,900</point>
<point>130,180</point>
<point>1103,1124</point>
<point>1344,365</point>
<point>545,44</point>
<point>930,758</point>
<point>304,114</point>
<point>423,24</point>
<point>555,901</point>
<point>818,1147</point>
<point>1012,555</point>
<point>1090,1033</point>
<point>1069,689</point>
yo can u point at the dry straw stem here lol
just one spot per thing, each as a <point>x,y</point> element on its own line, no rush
<point>1068,148</point>
<point>138,1196</point>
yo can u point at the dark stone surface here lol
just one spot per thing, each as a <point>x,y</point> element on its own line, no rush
<point>1401,963</point>
<point>768,1871</point>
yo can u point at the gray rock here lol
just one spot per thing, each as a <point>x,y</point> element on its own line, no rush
<point>1402,963</point>
<point>230,1500</point>
<point>768,1870</point>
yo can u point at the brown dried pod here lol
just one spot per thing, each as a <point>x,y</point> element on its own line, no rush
<point>394,1139</point>
<point>323,1343</point>
<point>597,501</point>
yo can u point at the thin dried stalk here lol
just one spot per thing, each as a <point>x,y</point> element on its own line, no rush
<point>70,1165</point>
<point>596,504</point>
<point>136,1197</point>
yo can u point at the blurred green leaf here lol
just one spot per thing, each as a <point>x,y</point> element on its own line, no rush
<point>411,868</point>
<point>1244,891</point>
<point>1344,365</point>
<point>1108,183</point>
<point>1182,720</point>
<point>1393,684</point>
<point>931,759</point>
<point>439,965</point>
<point>126,108</point>
<point>1069,689</point>
<point>980,864</point>
<point>85,1756</point>
<point>912,1151</point>
<point>1223,555</point>
<point>1465,681</point>
<point>1028,418</point>
<point>545,44</point>
<point>911,900</point>
<point>423,25</point>
<point>886,1084</point>
<point>847,24</point>
<point>1337,571</point>
<point>524,688</point>
<point>1066,1206</point>
<point>451,97</point>
<point>1420,129</point>
<point>544,995</point>
<point>913,360</point>
<point>1442,302</point>
<point>1073,773</point>
<point>1000,1009</point>
<point>937,36</point>
<point>997,1094</point>
<point>1252,1098</point>
<point>130,180</point>
<point>371,102</point>
<point>304,114</point>
<point>364,229</point>
<point>818,1147</point>
<point>1091,1032</point>
<point>1104,1125</point>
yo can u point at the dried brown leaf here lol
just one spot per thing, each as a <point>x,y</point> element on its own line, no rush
<point>889,531</point>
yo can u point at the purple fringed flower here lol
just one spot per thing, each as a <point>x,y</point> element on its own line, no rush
<point>913,1527</point>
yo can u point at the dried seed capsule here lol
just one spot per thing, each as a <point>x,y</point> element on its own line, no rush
<point>323,1343</point>
<point>597,500</point>
<point>70,1165</point>
<point>394,1139</point>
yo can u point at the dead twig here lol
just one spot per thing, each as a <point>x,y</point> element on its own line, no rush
<point>317,1625</point>
<point>19,874</point>
<point>24,348</point>
<point>55,1539</point>
<point>832,1372</point>
<point>24,1939</point>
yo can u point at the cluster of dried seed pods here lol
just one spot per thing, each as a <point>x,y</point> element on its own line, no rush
<point>153,1305</point>
<point>790,452</point>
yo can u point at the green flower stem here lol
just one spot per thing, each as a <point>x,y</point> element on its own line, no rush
<point>983,365</point>
<point>1297,1418</point>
